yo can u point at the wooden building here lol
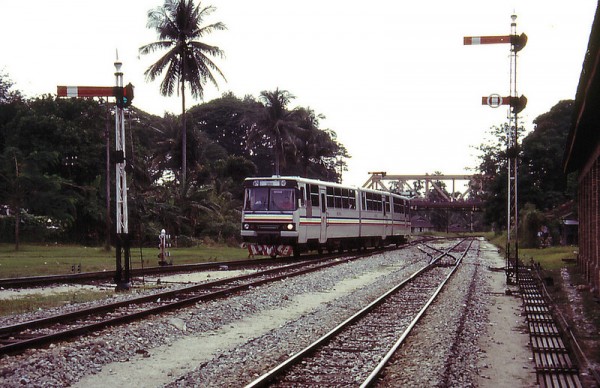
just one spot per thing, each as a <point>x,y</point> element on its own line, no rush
<point>582,154</point>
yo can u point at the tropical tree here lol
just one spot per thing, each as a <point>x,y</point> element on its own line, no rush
<point>179,24</point>
<point>6,92</point>
<point>25,185</point>
<point>318,154</point>
<point>541,178</point>
<point>274,125</point>
<point>222,119</point>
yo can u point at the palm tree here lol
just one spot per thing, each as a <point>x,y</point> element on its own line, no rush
<point>187,60</point>
<point>274,124</point>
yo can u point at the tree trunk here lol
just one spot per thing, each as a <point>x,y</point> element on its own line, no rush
<point>277,155</point>
<point>183,137</point>
<point>17,223</point>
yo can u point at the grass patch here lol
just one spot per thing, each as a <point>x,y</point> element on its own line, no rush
<point>34,302</point>
<point>40,260</point>
<point>550,258</point>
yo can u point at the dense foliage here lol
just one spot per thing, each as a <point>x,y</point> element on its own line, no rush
<point>545,192</point>
<point>53,167</point>
<point>53,171</point>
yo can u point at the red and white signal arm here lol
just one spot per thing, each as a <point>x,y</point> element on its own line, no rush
<point>477,40</point>
<point>495,100</point>
<point>85,91</point>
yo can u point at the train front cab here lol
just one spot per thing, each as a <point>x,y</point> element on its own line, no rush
<point>270,216</point>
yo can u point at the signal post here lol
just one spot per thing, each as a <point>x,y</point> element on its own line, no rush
<point>123,96</point>
<point>517,104</point>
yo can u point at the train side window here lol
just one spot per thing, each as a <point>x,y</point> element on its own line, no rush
<point>330,202</point>
<point>323,207</point>
<point>338,197</point>
<point>398,206</point>
<point>386,199</point>
<point>330,199</point>
<point>314,195</point>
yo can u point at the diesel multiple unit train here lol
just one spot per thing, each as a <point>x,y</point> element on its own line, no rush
<point>291,215</point>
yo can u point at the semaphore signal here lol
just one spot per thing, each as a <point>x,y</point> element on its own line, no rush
<point>123,96</point>
<point>517,104</point>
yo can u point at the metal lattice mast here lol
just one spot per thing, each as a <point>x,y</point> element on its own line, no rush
<point>517,104</point>
<point>121,174</point>
<point>512,218</point>
<point>123,96</point>
<point>122,279</point>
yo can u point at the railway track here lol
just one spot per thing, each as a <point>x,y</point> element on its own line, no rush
<point>40,332</point>
<point>355,352</point>
<point>90,277</point>
<point>87,277</point>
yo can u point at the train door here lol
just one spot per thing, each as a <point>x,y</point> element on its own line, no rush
<point>387,217</point>
<point>323,237</point>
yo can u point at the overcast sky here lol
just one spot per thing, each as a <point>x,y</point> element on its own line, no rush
<point>392,77</point>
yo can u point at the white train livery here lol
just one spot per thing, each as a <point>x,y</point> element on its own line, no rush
<point>285,215</point>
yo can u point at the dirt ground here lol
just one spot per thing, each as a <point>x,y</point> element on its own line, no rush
<point>508,360</point>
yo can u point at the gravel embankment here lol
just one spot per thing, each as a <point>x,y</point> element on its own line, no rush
<point>231,342</point>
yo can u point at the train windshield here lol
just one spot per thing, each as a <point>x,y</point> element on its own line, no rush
<point>270,198</point>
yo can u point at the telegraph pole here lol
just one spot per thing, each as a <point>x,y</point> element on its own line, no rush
<point>517,104</point>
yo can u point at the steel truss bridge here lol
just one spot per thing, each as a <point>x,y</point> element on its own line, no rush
<point>405,184</point>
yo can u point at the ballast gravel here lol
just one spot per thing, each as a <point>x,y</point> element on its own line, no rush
<point>230,342</point>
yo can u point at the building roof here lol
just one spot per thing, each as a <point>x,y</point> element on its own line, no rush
<point>584,137</point>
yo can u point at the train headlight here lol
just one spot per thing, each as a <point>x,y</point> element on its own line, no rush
<point>246,226</point>
<point>290,226</point>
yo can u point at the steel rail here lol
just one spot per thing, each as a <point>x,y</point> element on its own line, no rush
<point>372,378</point>
<point>33,281</point>
<point>297,269</point>
<point>38,281</point>
<point>271,375</point>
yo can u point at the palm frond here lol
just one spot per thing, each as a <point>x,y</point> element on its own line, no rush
<point>178,23</point>
<point>155,46</point>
